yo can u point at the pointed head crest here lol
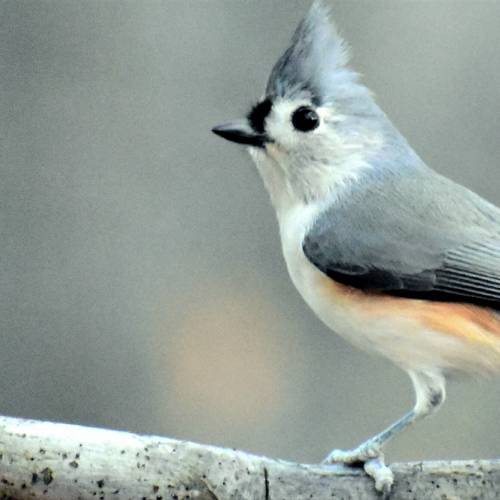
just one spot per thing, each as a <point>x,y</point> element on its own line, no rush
<point>314,64</point>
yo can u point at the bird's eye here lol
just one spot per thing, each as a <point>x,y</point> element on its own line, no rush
<point>305,119</point>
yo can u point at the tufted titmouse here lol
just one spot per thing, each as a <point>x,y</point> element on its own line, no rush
<point>388,253</point>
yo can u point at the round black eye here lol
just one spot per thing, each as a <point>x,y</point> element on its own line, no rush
<point>305,119</point>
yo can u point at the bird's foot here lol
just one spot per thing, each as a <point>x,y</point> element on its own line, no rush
<point>361,454</point>
<point>381,474</point>
<point>370,455</point>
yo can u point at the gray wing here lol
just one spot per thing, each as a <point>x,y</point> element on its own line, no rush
<point>422,237</point>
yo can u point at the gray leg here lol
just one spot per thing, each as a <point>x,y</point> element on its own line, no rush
<point>430,394</point>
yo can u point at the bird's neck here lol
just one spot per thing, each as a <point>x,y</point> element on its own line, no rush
<point>290,189</point>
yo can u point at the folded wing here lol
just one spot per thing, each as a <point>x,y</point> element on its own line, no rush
<point>397,250</point>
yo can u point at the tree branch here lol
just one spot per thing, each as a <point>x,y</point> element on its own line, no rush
<point>63,462</point>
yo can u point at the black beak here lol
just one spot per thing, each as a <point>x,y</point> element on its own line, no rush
<point>241,133</point>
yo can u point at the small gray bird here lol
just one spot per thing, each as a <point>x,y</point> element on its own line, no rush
<point>388,253</point>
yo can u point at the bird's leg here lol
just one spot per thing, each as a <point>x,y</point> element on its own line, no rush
<point>430,394</point>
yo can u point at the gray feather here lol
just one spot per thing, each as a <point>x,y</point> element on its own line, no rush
<point>314,64</point>
<point>418,235</point>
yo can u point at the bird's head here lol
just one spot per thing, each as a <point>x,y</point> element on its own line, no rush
<point>315,124</point>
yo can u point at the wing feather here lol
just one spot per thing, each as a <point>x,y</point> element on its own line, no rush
<point>398,251</point>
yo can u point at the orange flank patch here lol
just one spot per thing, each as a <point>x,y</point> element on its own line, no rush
<point>470,322</point>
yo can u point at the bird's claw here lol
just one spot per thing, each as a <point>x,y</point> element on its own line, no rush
<point>361,454</point>
<point>372,458</point>
<point>381,474</point>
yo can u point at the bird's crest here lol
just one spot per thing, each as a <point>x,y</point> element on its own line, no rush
<point>315,62</point>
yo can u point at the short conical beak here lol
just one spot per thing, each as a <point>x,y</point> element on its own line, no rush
<point>240,132</point>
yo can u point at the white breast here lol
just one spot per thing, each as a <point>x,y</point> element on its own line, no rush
<point>309,280</point>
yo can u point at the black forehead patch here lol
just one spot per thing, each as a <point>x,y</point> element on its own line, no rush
<point>258,115</point>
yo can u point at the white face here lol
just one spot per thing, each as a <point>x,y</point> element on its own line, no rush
<point>280,128</point>
<point>308,156</point>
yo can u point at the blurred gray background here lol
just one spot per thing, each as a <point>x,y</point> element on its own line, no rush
<point>141,281</point>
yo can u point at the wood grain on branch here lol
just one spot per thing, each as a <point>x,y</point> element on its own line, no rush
<point>64,462</point>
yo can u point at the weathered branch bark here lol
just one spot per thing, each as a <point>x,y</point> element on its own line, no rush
<point>64,462</point>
